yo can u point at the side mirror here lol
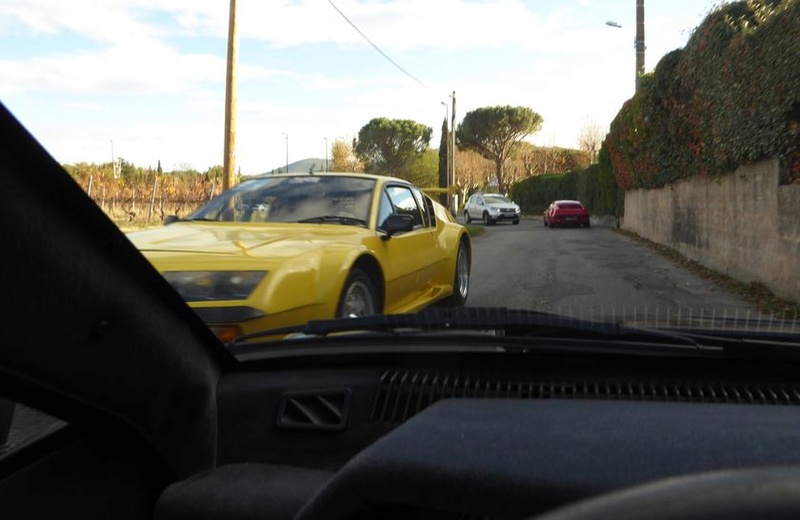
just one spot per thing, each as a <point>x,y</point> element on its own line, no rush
<point>169,219</point>
<point>397,223</point>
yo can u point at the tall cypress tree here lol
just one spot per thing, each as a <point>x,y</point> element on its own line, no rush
<point>443,162</point>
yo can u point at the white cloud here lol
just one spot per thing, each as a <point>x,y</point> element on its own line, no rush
<point>98,21</point>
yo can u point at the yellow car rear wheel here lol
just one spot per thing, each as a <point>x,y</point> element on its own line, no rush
<point>460,279</point>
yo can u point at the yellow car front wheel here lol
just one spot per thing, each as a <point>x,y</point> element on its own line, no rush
<point>358,296</point>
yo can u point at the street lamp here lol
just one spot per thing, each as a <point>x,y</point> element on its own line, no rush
<point>326,153</point>
<point>114,169</point>
<point>638,42</point>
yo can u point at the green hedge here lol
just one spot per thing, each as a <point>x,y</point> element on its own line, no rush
<point>595,186</point>
<point>534,194</point>
<point>728,98</point>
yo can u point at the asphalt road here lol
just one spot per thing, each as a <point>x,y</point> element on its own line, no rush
<point>591,273</point>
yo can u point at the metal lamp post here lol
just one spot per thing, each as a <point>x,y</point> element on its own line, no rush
<point>638,42</point>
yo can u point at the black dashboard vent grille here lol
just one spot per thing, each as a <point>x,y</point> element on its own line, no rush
<point>403,393</point>
<point>314,410</point>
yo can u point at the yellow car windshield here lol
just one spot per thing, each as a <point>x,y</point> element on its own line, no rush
<point>302,198</point>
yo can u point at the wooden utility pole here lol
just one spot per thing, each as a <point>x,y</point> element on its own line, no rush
<point>152,199</point>
<point>229,162</point>
<point>454,203</point>
<point>639,43</point>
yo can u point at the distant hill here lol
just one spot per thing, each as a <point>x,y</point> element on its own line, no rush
<point>303,166</point>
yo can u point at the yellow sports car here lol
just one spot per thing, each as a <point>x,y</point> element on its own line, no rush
<point>279,250</point>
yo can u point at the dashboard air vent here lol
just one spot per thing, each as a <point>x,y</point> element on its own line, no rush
<point>314,410</point>
<point>403,393</point>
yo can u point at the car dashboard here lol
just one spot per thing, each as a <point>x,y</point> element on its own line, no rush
<point>504,435</point>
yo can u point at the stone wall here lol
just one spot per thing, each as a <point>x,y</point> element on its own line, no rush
<point>744,224</point>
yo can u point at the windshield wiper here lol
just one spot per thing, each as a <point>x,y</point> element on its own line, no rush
<point>334,219</point>
<point>497,321</point>
<point>493,328</point>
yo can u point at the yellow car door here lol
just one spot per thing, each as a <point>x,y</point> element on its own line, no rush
<point>409,259</point>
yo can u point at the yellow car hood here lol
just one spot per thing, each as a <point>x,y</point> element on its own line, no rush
<point>266,241</point>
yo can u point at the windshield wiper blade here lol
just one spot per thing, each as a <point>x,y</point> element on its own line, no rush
<point>334,219</point>
<point>497,320</point>
<point>506,322</point>
<point>460,318</point>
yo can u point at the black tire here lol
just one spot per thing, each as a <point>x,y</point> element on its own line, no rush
<point>466,217</point>
<point>544,222</point>
<point>461,278</point>
<point>486,220</point>
<point>359,297</point>
<point>515,222</point>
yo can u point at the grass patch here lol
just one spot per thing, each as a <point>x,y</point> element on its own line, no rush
<point>755,293</point>
<point>127,227</point>
<point>475,231</point>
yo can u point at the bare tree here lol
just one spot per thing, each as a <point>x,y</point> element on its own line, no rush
<point>343,158</point>
<point>474,172</point>
<point>532,160</point>
<point>590,138</point>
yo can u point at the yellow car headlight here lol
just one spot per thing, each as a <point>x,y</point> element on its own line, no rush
<point>203,286</point>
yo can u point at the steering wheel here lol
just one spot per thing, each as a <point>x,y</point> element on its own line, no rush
<point>741,494</point>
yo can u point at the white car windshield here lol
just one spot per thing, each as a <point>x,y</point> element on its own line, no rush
<point>496,199</point>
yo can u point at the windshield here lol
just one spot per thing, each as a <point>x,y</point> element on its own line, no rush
<point>292,199</point>
<point>496,199</point>
<point>327,160</point>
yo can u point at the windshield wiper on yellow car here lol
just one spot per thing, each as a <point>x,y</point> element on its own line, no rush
<point>334,219</point>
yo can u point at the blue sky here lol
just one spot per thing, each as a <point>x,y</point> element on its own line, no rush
<point>147,76</point>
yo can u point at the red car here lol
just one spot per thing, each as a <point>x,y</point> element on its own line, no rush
<point>566,213</point>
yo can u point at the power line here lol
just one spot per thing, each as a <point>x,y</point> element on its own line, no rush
<point>404,71</point>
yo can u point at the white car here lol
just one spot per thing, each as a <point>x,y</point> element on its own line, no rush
<point>491,208</point>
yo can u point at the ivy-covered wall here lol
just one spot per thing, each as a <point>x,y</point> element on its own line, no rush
<point>730,97</point>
